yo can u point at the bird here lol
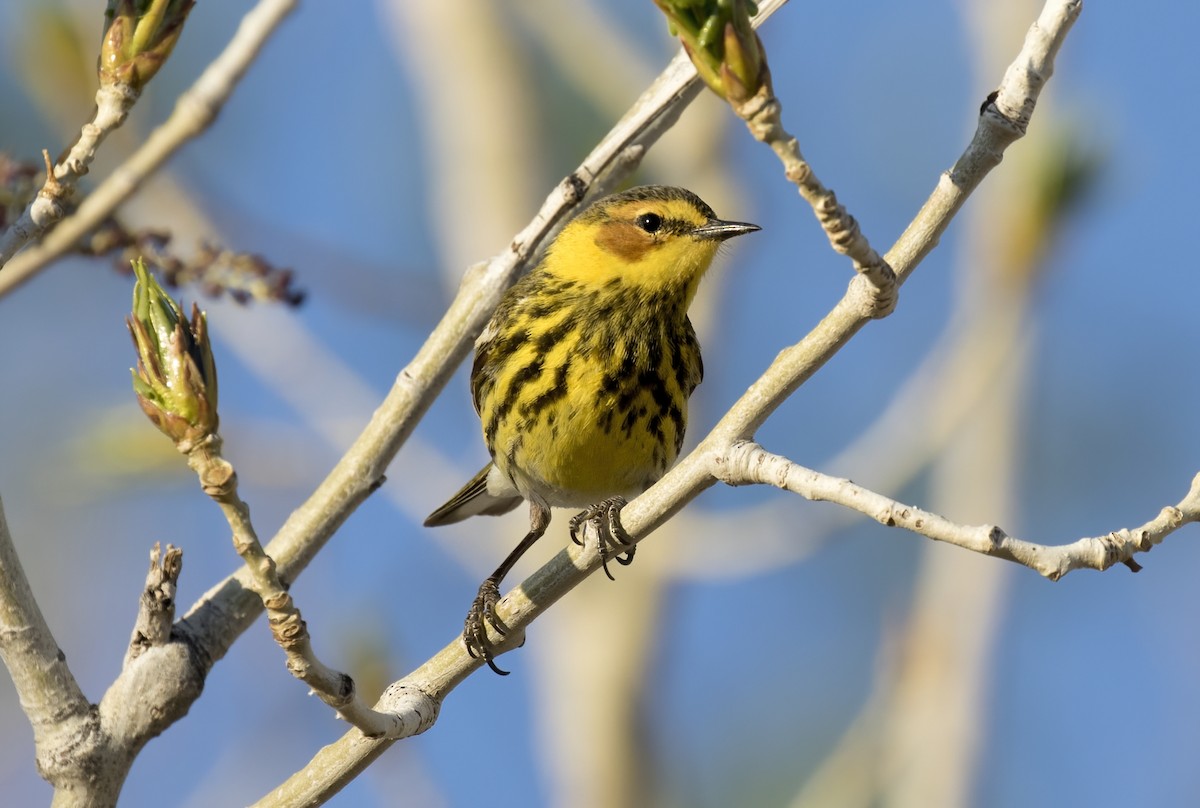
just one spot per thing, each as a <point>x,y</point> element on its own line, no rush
<point>582,376</point>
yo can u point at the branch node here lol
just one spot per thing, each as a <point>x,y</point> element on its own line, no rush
<point>798,173</point>
<point>1111,548</point>
<point>870,300</point>
<point>415,709</point>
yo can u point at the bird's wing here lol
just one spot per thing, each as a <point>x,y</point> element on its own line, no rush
<point>473,500</point>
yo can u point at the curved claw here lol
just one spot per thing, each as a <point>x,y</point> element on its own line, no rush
<point>481,615</point>
<point>615,542</point>
<point>577,521</point>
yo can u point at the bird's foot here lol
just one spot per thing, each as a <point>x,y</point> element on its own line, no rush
<point>481,615</point>
<point>615,543</point>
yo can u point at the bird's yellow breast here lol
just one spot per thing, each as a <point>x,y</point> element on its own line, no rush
<point>583,394</point>
<point>586,430</point>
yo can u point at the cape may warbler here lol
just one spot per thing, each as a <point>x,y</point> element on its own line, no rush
<point>582,377</point>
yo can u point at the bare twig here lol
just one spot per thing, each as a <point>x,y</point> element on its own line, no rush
<point>749,463</point>
<point>731,59</point>
<point>219,481</point>
<point>137,42</point>
<point>1003,120</point>
<point>194,112</point>
<point>213,268</point>
<point>113,102</point>
<point>763,116</point>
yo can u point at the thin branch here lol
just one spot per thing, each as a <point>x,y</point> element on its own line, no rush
<point>763,114</point>
<point>1003,120</point>
<point>748,463</point>
<point>732,60</point>
<point>113,102</point>
<point>336,689</point>
<point>194,112</point>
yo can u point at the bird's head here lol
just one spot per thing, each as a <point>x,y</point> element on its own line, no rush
<point>656,237</point>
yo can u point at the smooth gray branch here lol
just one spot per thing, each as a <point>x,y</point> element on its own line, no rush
<point>50,697</point>
<point>748,463</point>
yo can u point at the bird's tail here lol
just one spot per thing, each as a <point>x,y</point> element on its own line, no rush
<point>473,500</point>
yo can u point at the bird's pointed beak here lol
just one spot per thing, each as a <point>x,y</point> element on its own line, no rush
<point>720,230</point>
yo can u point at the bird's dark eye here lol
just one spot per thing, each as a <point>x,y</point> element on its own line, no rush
<point>650,222</point>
